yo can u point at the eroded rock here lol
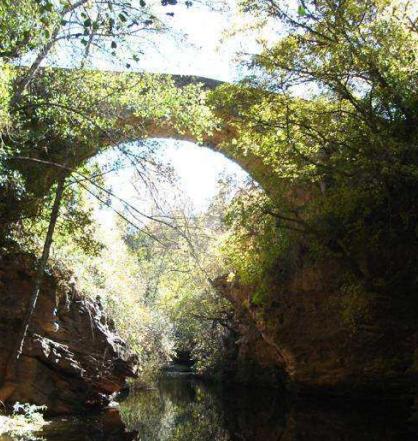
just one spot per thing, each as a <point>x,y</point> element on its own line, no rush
<point>72,358</point>
<point>325,340</point>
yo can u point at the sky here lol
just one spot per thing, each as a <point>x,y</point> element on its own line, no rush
<point>201,53</point>
<point>198,168</point>
<point>206,42</point>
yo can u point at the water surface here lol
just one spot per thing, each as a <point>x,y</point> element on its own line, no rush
<point>182,408</point>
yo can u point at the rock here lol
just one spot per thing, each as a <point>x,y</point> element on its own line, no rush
<point>322,339</point>
<point>72,359</point>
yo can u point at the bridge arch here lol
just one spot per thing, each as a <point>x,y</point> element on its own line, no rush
<point>121,122</point>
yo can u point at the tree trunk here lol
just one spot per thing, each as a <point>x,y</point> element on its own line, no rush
<point>38,280</point>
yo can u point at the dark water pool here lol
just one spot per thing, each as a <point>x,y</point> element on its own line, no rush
<point>184,409</point>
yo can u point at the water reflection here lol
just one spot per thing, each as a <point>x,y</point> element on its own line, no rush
<point>106,426</point>
<point>186,410</point>
<point>183,409</point>
<point>180,409</point>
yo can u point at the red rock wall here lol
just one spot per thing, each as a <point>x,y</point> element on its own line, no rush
<point>72,359</point>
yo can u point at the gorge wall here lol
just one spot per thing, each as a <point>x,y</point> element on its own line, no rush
<point>316,337</point>
<point>72,358</point>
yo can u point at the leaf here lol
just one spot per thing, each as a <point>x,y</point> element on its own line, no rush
<point>48,7</point>
<point>301,11</point>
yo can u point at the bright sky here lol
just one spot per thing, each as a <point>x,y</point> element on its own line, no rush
<point>201,53</point>
<point>198,168</point>
<point>204,45</point>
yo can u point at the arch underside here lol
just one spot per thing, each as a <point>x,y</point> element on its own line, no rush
<point>127,126</point>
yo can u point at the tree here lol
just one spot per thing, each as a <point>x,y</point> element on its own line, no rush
<point>108,28</point>
<point>15,355</point>
<point>178,270</point>
<point>333,114</point>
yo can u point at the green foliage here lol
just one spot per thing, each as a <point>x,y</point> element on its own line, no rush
<point>359,58</point>
<point>355,307</point>
<point>6,77</point>
<point>101,101</point>
<point>114,277</point>
<point>85,28</point>
<point>177,270</point>
<point>327,124</point>
<point>155,285</point>
<point>255,241</point>
<point>47,125</point>
<point>24,25</point>
<point>76,224</point>
<point>330,125</point>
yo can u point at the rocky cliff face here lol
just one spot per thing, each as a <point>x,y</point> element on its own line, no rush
<point>72,358</point>
<point>323,338</point>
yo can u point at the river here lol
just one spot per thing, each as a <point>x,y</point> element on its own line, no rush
<point>182,408</point>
